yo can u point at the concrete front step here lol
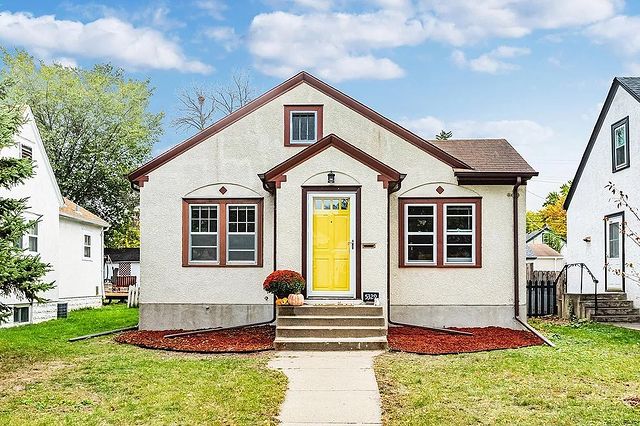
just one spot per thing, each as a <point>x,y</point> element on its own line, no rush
<point>333,320</point>
<point>603,296</point>
<point>329,344</point>
<point>612,311</point>
<point>330,331</point>
<point>331,310</point>
<point>616,318</point>
<point>608,304</point>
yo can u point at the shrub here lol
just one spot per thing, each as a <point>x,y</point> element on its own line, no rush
<point>284,282</point>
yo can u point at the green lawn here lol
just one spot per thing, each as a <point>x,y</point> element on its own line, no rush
<point>584,381</point>
<point>46,380</point>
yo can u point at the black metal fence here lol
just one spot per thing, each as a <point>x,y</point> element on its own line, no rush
<point>542,293</point>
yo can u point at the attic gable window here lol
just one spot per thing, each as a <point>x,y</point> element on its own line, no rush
<point>26,152</point>
<point>302,124</point>
<point>620,145</point>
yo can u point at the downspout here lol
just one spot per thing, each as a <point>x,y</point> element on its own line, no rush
<point>396,187</point>
<point>255,324</point>
<point>516,266</point>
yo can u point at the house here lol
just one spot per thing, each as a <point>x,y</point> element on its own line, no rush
<point>598,229</point>
<point>67,236</point>
<point>309,179</point>
<point>122,262</point>
<point>546,236</point>
<point>544,258</point>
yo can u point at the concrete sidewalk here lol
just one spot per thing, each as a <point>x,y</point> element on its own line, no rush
<point>329,388</point>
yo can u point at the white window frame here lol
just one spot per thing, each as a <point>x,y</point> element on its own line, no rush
<point>85,246</point>
<point>28,321</point>
<point>255,235</point>
<point>434,233</point>
<point>315,124</point>
<point>26,243</point>
<point>472,232</point>
<point>217,234</point>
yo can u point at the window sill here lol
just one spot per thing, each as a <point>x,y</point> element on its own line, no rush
<point>445,266</point>
<point>619,169</point>
<point>295,143</point>
<point>217,265</point>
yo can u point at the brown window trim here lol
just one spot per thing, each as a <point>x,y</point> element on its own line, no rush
<point>439,203</point>
<point>288,109</point>
<point>222,231</point>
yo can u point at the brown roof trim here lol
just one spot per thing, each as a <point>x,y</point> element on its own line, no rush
<point>279,90</point>
<point>275,175</point>
<point>472,177</point>
<point>594,135</point>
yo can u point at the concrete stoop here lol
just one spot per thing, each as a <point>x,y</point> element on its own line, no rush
<point>612,307</point>
<point>330,328</point>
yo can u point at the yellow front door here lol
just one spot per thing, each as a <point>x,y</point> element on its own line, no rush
<point>331,245</point>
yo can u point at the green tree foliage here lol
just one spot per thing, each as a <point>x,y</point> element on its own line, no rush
<point>444,135</point>
<point>21,275</point>
<point>95,126</point>
<point>553,215</point>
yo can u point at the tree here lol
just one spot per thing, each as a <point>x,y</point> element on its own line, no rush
<point>198,104</point>
<point>553,215</point>
<point>444,135</point>
<point>95,126</point>
<point>21,275</point>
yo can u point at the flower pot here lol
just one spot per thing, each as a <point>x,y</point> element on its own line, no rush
<point>296,299</point>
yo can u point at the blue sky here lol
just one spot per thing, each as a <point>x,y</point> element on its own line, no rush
<point>534,72</point>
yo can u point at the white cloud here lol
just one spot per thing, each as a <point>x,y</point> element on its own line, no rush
<point>337,46</point>
<point>622,33</point>
<point>490,62</point>
<point>109,39</point>
<point>215,8</point>
<point>225,36</point>
<point>323,5</point>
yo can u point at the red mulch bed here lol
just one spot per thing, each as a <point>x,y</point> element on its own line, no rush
<point>248,339</point>
<point>423,341</point>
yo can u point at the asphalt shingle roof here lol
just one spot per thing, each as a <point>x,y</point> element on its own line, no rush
<point>486,155</point>
<point>631,83</point>
<point>123,254</point>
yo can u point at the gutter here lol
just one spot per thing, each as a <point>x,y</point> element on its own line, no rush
<point>516,267</point>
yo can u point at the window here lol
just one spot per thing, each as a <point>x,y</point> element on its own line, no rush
<point>614,240</point>
<point>26,152</point>
<point>420,236</point>
<point>87,247</point>
<point>620,145</point>
<point>441,232</point>
<point>302,124</point>
<point>21,314</point>
<point>203,237</point>
<point>222,232</point>
<point>32,238</point>
<point>459,233</point>
<point>241,233</point>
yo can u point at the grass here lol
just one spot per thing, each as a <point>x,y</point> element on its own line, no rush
<point>588,379</point>
<point>46,380</point>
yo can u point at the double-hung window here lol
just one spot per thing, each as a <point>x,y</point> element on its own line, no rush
<point>86,247</point>
<point>442,232</point>
<point>222,232</point>
<point>420,238</point>
<point>459,233</point>
<point>32,238</point>
<point>203,235</point>
<point>620,145</point>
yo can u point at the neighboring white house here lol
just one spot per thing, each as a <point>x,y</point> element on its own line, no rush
<point>546,236</point>
<point>67,236</point>
<point>309,179</point>
<point>122,262</point>
<point>544,258</point>
<point>596,225</point>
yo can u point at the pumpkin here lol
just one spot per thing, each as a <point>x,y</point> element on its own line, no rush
<point>296,299</point>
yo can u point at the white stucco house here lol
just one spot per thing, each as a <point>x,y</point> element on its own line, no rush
<point>67,236</point>
<point>309,179</point>
<point>597,227</point>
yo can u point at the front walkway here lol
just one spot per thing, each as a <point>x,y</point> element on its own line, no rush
<point>329,388</point>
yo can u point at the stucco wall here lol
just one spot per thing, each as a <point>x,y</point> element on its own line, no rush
<point>592,202</point>
<point>233,158</point>
<point>80,277</point>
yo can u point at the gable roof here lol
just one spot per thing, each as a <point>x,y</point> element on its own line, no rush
<point>302,77</point>
<point>632,86</point>
<point>529,252</point>
<point>387,174</point>
<point>79,213</point>
<point>543,250</point>
<point>123,254</point>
